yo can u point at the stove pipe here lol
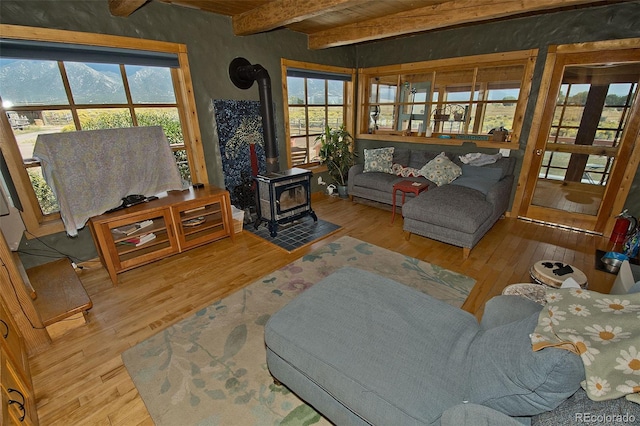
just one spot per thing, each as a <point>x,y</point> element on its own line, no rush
<point>243,74</point>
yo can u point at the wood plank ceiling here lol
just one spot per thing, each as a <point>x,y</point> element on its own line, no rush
<point>330,23</point>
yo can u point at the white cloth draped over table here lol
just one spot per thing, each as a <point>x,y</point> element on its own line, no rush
<point>91,171</point>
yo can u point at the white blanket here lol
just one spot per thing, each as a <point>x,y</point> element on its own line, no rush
<point>479,159</point>
<point>91,171</point>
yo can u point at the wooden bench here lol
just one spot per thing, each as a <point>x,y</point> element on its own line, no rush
<point>58,295</point>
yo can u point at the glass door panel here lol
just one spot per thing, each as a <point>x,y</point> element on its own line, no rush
<point>587,124</point>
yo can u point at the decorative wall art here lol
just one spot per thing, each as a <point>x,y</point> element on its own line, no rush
<point>240,136</point>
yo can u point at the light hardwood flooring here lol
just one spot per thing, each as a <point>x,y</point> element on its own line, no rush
<point>568,196</point>
<point>81,380</point>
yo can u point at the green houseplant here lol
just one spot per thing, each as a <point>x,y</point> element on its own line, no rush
<point>337,153</point>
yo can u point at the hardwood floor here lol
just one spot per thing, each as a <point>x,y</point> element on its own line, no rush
<point>81,380</point>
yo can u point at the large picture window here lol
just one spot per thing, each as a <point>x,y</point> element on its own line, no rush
<point>48,87</point>
<point>316,96</point>
<point>478,99</point>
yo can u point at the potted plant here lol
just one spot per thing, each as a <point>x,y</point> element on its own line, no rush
<point>336,152</point>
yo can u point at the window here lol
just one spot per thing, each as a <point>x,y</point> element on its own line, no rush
<point>479,99</point>
<point>316,96</point>
<point>48,86</point>
<point>593,115</point>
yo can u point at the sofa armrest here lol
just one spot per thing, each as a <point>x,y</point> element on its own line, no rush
<point>353,171</point>
<point>500,194</point>
<point>504,309</point>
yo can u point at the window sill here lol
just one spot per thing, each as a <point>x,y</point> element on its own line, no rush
<point>314,167</point>
<point>390,137</point>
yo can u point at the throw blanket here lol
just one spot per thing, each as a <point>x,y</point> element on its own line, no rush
<point>91,171</point>
<point>603,330</point>
<point>479,159</point>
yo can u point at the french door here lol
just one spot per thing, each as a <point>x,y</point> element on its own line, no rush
<point>588,127</point>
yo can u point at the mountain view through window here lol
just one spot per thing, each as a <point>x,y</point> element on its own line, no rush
<point>42,96</point>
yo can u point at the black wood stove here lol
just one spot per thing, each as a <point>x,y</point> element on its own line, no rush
<point>283,197</point>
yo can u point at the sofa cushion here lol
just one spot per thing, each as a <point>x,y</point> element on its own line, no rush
<point>376,180</point>
<point>401,156</point>
<point>451,206</point>
<point>441,170</point>
<point>510,377</point>
<point>378,160</point>
<point>419,158</point>
<point>478,177</point>
<point>506,165</point>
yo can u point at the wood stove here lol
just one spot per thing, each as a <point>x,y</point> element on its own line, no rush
<point>283,197</point>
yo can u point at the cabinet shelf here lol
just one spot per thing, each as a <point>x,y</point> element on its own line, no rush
<point>168,214</point>
<point>126,249</point>
<point>157,227</point>
<point>201,212</point>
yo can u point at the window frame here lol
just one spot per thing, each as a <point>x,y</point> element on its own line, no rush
<point>38,224</point>
<point>524,58</point>
<point>560,120</point>
<point>348,102</point>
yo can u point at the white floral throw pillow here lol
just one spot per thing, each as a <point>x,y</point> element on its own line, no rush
<point>378,160</point>
<point>441,170</point>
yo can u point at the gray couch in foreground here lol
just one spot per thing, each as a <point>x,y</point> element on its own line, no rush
<point>459,213</point>
<point>365,350</point>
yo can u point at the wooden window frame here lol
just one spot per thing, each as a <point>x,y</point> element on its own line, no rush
<point>348,103</point>
<point>525,58</point>
<point>628,157</point>
<point>36,223</point>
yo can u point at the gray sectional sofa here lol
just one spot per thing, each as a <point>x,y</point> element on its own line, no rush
<point>458,213</point>
<point>365,350</point>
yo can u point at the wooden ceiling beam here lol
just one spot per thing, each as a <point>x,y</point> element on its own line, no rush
<point>446,14</point>
<point>284,12</point>
<point>124,8</point>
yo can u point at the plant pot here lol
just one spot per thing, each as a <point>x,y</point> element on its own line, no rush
<point>342,191</point>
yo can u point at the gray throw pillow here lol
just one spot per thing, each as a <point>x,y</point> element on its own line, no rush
<point>479,178</point>
<point>508,376</point>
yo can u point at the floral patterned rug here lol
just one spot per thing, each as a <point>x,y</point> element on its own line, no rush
<point>210,369</point>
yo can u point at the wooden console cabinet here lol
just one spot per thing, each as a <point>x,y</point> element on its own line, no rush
<point>180,220</point>
<point>18,406</point>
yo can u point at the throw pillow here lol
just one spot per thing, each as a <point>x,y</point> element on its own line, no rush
<point>378,160</point>
<point>479,178</point>
<point>400,170</point>
<point>441,170</point>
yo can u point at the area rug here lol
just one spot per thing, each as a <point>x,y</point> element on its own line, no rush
<point>210,369</point>
<point>297,234</point>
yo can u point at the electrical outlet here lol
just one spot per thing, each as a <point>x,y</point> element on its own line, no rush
<point>505,152</point>
<point>320,181</point>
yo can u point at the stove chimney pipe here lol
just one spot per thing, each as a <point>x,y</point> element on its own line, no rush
<point>243,74</point>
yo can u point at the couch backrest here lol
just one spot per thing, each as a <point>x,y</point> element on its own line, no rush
<point>507,164</point>
<point>416,158</point>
